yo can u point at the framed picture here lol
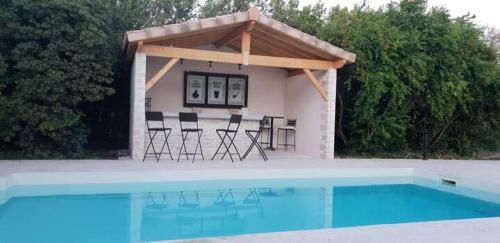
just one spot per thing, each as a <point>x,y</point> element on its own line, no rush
<point>216,90</point>
<point>194,89</point>
<point>236,91</point>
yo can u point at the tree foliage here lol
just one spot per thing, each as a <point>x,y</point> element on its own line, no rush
<point>421,77</point>
<point>55,59</point>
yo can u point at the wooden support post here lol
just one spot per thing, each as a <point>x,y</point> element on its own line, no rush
<point>224,41</point>
<point>316,84</point>
<point>160,73</point>
<point>245,46</point>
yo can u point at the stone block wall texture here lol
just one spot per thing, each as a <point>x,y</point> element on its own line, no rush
<point>209,140</point>
<point>327,144</point>
<point>137,107</point>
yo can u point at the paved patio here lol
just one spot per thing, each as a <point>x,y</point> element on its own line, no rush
<point>485,170</point>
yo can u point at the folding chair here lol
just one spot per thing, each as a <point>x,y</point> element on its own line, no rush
<point>230,133</point>
<point>156,116</point>
<point>290,127</point>
<point>265,127</point>
<point>185,117</point>
<point>254,136</point>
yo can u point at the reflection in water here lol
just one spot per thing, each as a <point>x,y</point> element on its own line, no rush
<point>149,216</point>
<point>183,214</point>
<point>229,212</point>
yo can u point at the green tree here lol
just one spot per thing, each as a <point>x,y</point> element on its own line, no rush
<point>309,19</point>
<point>212,8</point>
<point>55,59</point>
<point>108,119</point>
<point>420,77</point>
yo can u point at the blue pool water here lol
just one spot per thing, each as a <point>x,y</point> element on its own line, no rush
<point>182,214</point>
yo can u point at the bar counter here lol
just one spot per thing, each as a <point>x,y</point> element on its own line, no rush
<point>207,115</point>
<point>209,122</point>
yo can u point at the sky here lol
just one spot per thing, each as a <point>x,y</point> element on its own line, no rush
<point>487,11</point>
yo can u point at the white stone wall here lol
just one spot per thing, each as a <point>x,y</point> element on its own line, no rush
<point>137,108</point>
<point>327,125</point>
<point>210,140</point>
<point>303,103</point>
<point>265,93</point>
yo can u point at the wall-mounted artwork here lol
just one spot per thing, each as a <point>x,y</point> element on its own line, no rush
<point>195,89</point>
<point>215,90</point>
<point>236,91</point>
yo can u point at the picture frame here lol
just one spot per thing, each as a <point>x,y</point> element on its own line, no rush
<point>236,94</point>
<point>197,82</point>
<point>216,94</point>
<point>195,89</point>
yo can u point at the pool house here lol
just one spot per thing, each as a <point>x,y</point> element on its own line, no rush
<point>244,63</point>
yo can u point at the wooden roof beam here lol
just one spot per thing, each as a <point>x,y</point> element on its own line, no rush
<point>336,64</point>
<point>235,58</point>
<point>234,35</point>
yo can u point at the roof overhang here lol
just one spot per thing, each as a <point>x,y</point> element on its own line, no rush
<point>269,37</point>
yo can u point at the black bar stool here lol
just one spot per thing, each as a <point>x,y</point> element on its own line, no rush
<point>185,117</point>
<point>290,127</point>
<point>148,104</point>
<point>156,116</point>
<point>254,136</point>
<point>265,127</point>
<point>230,133</point>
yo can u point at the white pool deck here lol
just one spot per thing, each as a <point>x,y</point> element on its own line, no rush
<point>482,174</point>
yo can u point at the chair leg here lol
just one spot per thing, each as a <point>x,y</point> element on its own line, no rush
<point>147,148</point>
<point>286,140</point>
<point>255,142</point>
<point>234,146</point>
<point>261,150</point>
<point>251,145</point>
<point>277,139</point>
<point>196,148</point>
<point>198,144</point>
<point>294,143</point>
<point>151,143</point>
<point>201,148</point>
<point>166,143</point>
<point>183,146</point>
<point>227,147</point>
<point>220,145</point>
<point>162,147</point>
<point>168,147</point>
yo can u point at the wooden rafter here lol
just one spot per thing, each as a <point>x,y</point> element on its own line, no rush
<point>278,46</point>
<point>316,83</point>
<point>160,73</point>
<point>235,58</point>
<point>234,35</point>
<point>336,64</point>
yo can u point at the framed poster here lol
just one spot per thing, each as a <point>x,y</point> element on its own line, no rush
<point>195,89</point>
<point>236,91</point>
<point>216,90</point>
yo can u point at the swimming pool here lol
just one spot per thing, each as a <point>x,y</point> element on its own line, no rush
<point>182,210</point>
